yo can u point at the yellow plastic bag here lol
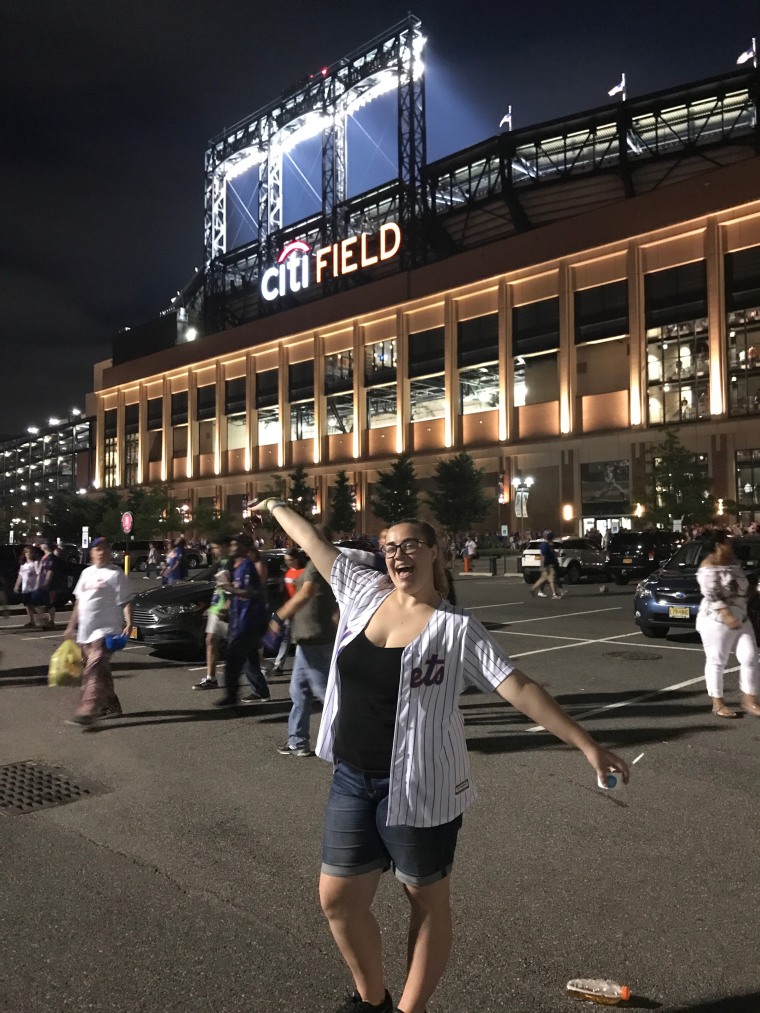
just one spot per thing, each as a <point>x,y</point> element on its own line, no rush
<point>66,665</point>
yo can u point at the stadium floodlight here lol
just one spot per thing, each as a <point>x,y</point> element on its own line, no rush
<point>32,429</point>
<point>749,54</point>
<point>191,334</point>
<point>53,421</point>
<point>619,89</point>
<point>76,412</point>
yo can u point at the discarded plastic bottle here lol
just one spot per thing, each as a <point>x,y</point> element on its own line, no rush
<point>606,993</point>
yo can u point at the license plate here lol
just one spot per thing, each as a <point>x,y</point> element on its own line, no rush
<point>134,633</point>
<point>678,612</point>
<point>628,559</point>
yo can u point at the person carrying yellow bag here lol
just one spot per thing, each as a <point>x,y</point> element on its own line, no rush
<point>102,615</point>
<point>66,665</point>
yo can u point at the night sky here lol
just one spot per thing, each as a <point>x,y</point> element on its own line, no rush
<point>108,108</point>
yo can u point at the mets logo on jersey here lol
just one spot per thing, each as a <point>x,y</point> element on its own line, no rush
<point>430,673</point>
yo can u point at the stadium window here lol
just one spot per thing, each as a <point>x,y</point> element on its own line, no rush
<point>601,339</point>
<point>205,403</point>
<point>340,414</point>
<point>339,372</point>
<point>382,407</point>
<point>268,426</point>
<point>742,287</point>
<point>380,363</point>
<point>535,345</point>
<point>677,344</point>
<point>268,389</point>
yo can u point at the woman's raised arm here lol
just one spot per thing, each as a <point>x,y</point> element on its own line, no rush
<point>321,552</point>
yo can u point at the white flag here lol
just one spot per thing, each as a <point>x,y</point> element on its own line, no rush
<point>618,88</point>
<point>507,118</point>
<point>747,55</point>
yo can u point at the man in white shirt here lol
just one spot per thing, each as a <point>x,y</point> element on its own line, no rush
<point>103,609</point>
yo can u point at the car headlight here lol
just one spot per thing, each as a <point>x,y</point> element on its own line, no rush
<point>164,611</point>
<point>643,591</point>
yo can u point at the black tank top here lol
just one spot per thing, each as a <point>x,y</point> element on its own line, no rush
<point>369,683</point>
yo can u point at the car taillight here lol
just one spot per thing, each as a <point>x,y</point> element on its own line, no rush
<point>651,554</point>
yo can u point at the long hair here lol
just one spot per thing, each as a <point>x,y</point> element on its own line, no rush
<point>430,537</point>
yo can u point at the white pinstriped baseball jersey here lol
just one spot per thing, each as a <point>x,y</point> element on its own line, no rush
<point>430,767</point>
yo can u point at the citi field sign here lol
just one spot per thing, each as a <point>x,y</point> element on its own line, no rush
<point>298,263</point>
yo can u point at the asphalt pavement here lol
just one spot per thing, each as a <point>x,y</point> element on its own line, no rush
<point>188,883</point>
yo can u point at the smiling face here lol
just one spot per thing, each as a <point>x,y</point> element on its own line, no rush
<point>411,570</point>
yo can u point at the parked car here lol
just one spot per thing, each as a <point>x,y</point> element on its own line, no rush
<point>639,553</point>
<point>173,615</point>
<point>577,558</point>
<point>138,554</point>
<point>669,599</point>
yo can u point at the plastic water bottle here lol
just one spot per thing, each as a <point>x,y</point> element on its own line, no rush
<point>599,990</point>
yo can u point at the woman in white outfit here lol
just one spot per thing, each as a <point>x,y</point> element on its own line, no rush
<point>723,625</point>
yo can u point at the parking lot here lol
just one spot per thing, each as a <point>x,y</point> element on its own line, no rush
<point>189,884</point>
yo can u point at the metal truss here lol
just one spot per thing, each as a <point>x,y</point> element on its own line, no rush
<point>666,127</point>
<point>320,104</point>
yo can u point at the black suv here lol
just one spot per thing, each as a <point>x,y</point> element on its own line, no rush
<point>639,553</point>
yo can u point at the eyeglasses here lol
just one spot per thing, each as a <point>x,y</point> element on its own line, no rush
<point>409,546</point>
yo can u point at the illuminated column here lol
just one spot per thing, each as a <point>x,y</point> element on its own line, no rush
<point>100,431</point>
<point>251,420</point>
<point>166,411</point>
<point>716,318</point>
<point>639,406</point>
<point>320,421</point>
<point>360,396</point>
<point>283,402</point>
<point>192,412</point>
<point>402,382</point>
<point>566,360</point>
<point>506,364</point>
<point>220,441</point>
<point>636,336</point>
<point>120,438</point>
<point>142,436</point>
<point>452,422</point>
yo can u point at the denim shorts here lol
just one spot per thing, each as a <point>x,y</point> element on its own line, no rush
<point>356,840</point>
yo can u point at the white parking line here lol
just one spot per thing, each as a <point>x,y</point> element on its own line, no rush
<point>558,615</point>
<point>48,636</point>
<point>635,699</point>
<point>578,643</point>
<point>503,604</point>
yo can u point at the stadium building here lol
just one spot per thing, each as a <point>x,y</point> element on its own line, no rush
<point>548,300</point>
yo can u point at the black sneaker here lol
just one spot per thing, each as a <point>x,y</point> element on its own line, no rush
<point>206,683</point>
<point>112,712</point>
<point>288,750</point>
<point>83,721</point>
<point>255,698</point>
<point>355,1004</point>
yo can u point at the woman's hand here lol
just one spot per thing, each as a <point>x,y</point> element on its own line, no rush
<point>604,760</point>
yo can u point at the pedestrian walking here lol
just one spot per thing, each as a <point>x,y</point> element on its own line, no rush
<point>549,568</point>
<point>26,584</point>
<point>153,562</point>
<point>312,612</point>
<point>723,625</point>
<point>218,612</point>
<point>295,564</point>
<point>175,568</point>
<point>392,728</point>
<point>248,621</point>
<point>102,609</point>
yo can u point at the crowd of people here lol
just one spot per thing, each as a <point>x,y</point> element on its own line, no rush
<point>382,646</point>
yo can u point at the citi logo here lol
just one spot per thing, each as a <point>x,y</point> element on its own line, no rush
<point>292,272</point>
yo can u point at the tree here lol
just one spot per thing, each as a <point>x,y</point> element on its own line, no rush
<point>342,516</point>
<point>396,491</point>
<point>68,513</point>
<point>154,510</point>
<point>459,500</point>
<point>301,493</point>
<point>676,486</point>
<point>208,522</point>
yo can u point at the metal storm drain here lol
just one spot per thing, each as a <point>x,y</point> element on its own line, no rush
<point>633,655</point>
<point>26,787</point>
